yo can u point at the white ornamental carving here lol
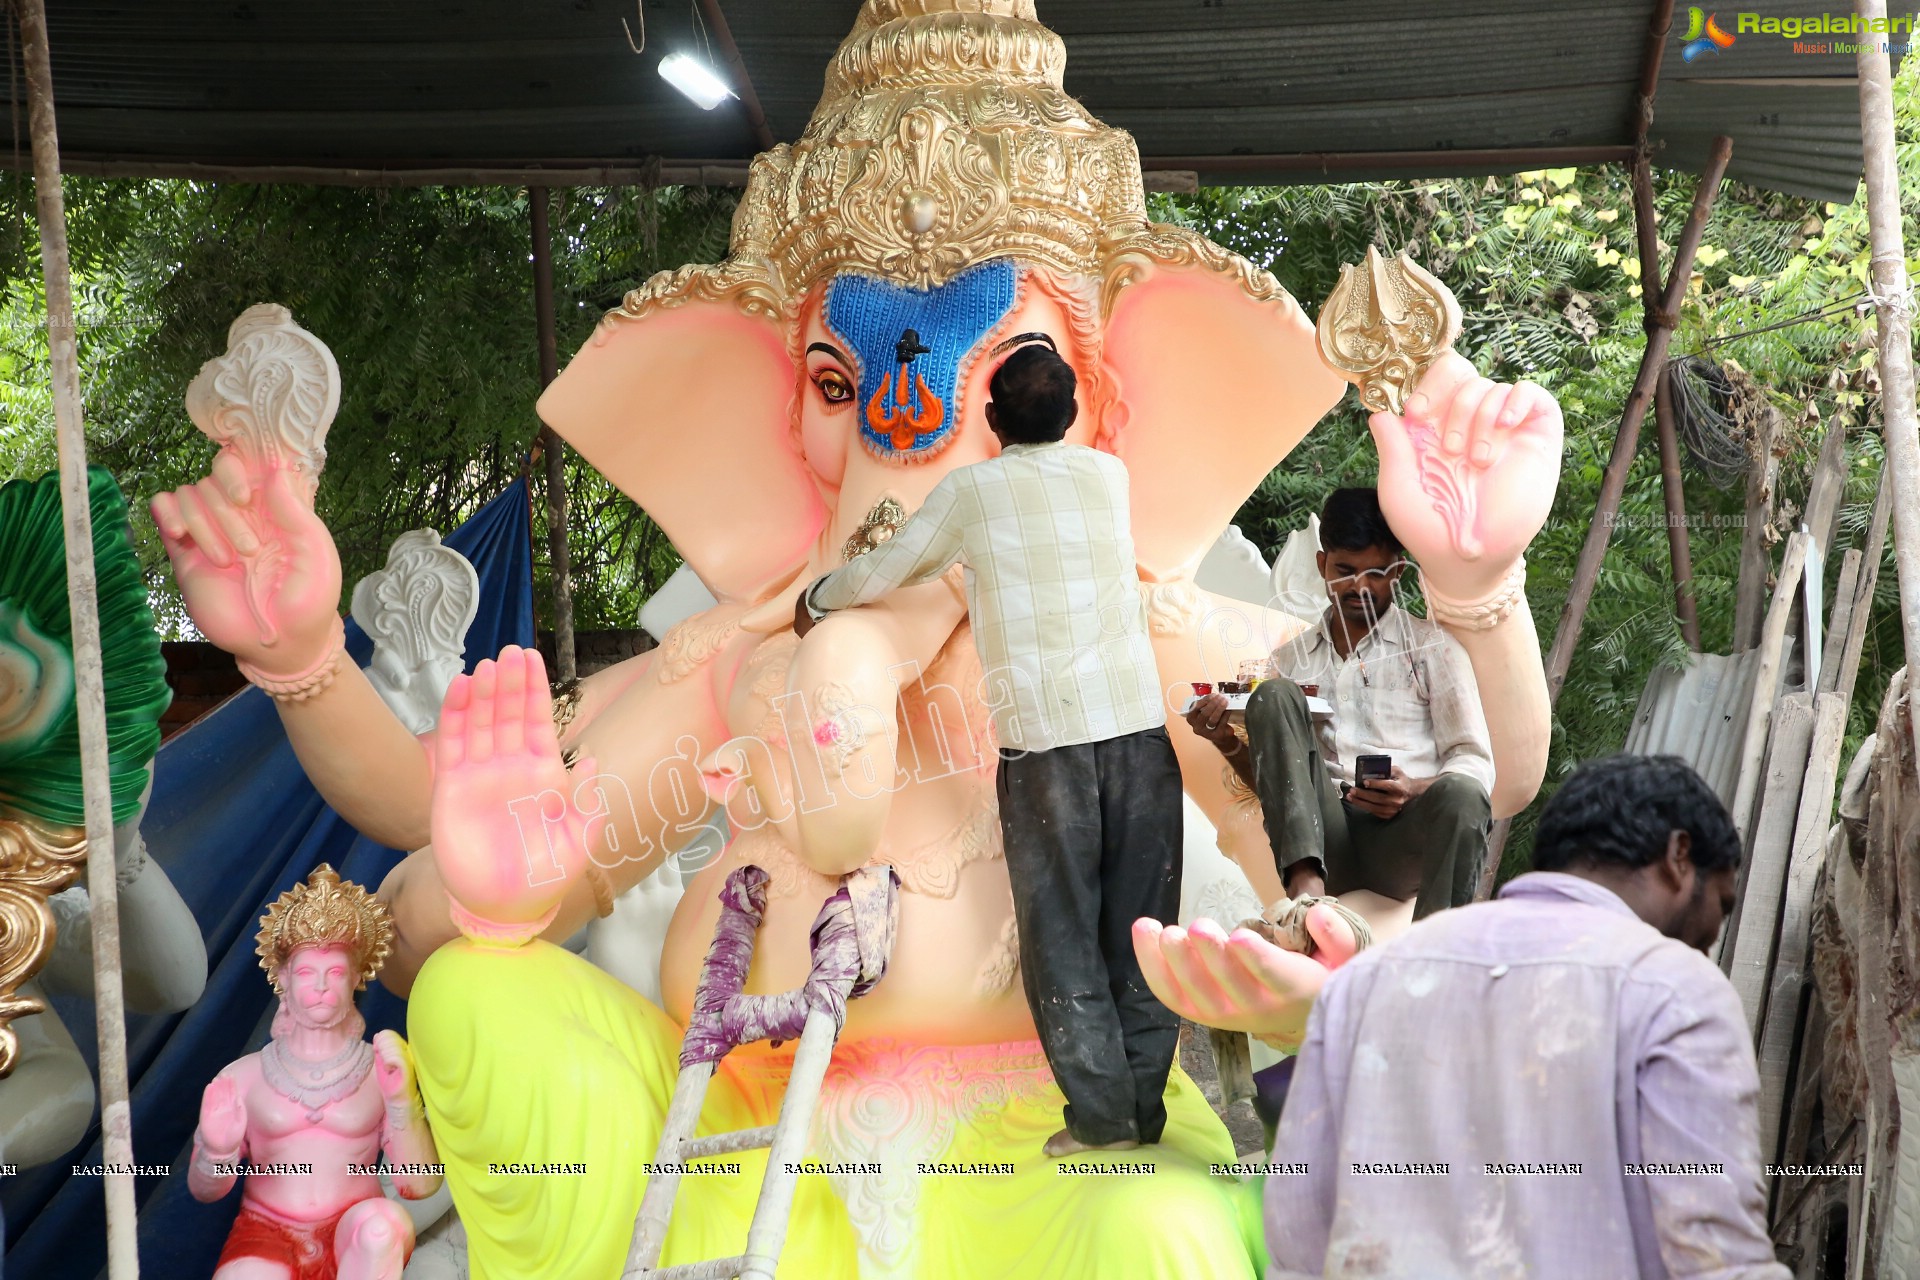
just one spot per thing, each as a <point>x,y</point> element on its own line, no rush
<point>269,401</point>
<point>271,397</point>
<point>417,610</point>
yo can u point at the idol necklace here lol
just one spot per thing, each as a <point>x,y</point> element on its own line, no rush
<point>316,1085</point>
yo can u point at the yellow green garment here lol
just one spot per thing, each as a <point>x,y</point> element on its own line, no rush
<point>546,1082</point>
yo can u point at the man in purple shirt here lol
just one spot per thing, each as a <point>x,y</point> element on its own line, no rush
<point>1557,1085</point>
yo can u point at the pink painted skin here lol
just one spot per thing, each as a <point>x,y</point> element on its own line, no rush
<point>498,783</point>
<point>256,567</point>
<point>1503,443</point>
<point>1239,981</point>
<point>243,1118</point>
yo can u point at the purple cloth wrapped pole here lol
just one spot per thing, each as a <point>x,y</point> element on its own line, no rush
<point>851,940</point>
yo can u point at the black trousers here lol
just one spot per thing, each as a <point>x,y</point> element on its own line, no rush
<point>1431,852</point>
<point>1092,836</point>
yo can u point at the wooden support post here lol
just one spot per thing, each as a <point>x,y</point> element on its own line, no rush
<point>1826,490</point>
<point>116,1116</point>
<point>1786,979</point>
<point>1863,590</point>
<point>1893,306</point>
<point>1839,624</point>
<point>1674,490</point>
<point>1750,593</point>
<point>553,449</point>
<point>1586,573</point>
<point>1233,1063</point>
<point>1749,951</point>
<point>1766,680</point>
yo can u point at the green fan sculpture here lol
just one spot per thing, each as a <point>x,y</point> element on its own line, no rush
<point>39,720</point>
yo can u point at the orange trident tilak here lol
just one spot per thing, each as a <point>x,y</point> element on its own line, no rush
<point>907,417</point>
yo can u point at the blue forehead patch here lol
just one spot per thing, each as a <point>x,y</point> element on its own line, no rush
<point>908,410</point>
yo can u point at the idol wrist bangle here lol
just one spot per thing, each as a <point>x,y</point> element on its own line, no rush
<point>496,933</point>
<point>207,1160</point>
<point>310,683</point>
<point>602,889</point>
<point>405,1115</point>
<point>1487,612</point>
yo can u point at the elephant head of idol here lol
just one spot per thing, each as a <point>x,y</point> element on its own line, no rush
<point>947,203</point>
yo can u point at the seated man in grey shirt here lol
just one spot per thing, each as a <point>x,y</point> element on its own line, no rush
<point>1400,687</point>
<point>1554,1086</point>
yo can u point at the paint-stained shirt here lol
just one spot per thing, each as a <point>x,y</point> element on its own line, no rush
<point>1537,1088</point>
<point>1407,691</point>
<point>1053,591</point>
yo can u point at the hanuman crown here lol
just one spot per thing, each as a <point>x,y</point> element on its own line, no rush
<point>326,911</point>
<point>943,138</point>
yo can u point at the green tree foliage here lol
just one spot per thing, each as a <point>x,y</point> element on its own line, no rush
<point>425,296</point>
<point>1546,269</point>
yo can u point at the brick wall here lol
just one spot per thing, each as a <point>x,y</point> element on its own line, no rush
<point>202,677</point>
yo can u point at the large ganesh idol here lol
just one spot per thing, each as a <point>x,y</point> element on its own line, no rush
<point>778,414</point>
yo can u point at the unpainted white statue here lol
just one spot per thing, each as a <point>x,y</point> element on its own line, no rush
<point>417,610</point>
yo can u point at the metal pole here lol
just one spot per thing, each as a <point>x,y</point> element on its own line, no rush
<point>116,1119</point>
<point>1893,307</point>
<point>768,1230</point>
<point>553,449</point>
<point>749,100</point>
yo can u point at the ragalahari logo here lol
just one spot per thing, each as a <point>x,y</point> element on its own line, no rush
<point>1703,34</point>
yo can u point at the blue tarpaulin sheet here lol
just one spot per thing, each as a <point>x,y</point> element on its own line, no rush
<point>235,823</point>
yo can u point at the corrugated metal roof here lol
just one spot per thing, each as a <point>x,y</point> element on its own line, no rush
<point>470,83</point>
<point>1699,713</point>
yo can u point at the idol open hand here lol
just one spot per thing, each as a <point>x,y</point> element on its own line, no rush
<point>508,837</point>
<point>1468,473</point>
<point>1240,981</point>
<point>223,1118</point>
<point>256,567</point>
<point>393,1067</point>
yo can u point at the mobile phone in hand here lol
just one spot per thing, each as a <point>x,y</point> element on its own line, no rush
<point>1368,768</point>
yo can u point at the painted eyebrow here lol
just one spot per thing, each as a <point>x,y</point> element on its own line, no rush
<point>831,350</point>
<point>1019,338</point>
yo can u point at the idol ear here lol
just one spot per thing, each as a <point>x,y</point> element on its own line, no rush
<point>682,400</point>
<point>1219,375</point>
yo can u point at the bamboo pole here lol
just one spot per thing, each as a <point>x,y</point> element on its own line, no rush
<point>1586,573</point>
<point>553,449</point>
<point>1674,490</point>
<point>1751,594</point>
<point>1647,233</point>
<point>1893,307</point>
<point>1639,156</point>
<point>116,1117</point>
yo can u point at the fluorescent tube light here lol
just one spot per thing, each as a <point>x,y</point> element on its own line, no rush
<point>695,79</point>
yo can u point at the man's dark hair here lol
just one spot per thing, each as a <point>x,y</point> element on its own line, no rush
<point>1032,396</point>
<point>1623,809</point>
<point>1352,520</point>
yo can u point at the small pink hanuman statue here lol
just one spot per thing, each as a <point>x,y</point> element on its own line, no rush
<point>307,1119</point>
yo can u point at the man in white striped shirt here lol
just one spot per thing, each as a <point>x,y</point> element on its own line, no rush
<point>1089,788</point>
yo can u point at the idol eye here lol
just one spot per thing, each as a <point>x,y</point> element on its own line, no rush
<point>834,387</point>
